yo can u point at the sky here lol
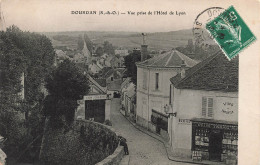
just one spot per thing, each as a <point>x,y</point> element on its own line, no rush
<point>55,15</point>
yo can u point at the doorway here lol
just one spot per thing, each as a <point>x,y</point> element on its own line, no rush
<point>95,109</point>
<point>215,145</point>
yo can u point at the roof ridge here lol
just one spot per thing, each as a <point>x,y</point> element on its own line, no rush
<point>210,58</point>
<point>167,62</point>
<point>159,57</point>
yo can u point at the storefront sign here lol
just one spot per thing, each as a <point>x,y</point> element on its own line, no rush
<point>215,126</point>
<point>228,107</point>
<point>95,97</point>
<point>184,121</point>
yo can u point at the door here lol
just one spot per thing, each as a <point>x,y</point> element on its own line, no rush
<point>95,109</point>
<point>215,145</point>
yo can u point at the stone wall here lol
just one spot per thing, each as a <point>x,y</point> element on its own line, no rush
<point>115,158</point>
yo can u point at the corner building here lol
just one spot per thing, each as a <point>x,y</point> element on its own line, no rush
<point>205,101</point>
<point>153,86</point>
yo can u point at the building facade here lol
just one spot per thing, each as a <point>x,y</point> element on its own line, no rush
<point>153,85</point>
<point>96,105</point>
<point>204,107</point>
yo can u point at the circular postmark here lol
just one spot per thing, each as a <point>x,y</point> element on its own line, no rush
<point>200,33</point>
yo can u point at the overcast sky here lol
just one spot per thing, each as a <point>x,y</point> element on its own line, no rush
<point>55,15</point>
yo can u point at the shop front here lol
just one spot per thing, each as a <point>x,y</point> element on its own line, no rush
<point>214,140</point>
<point>160,121</point>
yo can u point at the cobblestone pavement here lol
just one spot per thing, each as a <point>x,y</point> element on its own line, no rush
<point>143,149</point>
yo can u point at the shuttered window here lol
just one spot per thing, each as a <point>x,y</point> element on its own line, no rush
<point>210,107</point>
<point>204,106</point>
<point>207,107</point>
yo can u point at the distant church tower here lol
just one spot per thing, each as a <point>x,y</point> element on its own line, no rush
<point>86,53</point>
<point>2,20</point>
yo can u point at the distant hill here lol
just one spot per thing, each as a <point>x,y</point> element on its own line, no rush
<point>130,40</point>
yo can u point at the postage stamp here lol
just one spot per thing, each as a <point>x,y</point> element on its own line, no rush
<point>230,32</point>
<point>200,33</point>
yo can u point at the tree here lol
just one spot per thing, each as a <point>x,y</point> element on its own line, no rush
<point>65,85</point>
<point>99,51</point>
<point>130,61</point>
<point>31,54</point>
<point>190,46</point>
<point>108,48</point>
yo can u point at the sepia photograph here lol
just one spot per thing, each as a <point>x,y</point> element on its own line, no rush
<point>129,82</point>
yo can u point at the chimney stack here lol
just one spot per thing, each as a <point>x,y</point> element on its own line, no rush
<point>144,52</point>
<point>183,66</point>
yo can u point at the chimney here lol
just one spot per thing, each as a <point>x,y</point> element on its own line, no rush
<point>144,51</point>
<point>183,66</point>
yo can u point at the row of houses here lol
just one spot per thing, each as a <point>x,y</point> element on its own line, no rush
<point>191,104</point>
<point>94,64</point>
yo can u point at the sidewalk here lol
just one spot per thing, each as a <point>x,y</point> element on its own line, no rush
<point>168,149</point>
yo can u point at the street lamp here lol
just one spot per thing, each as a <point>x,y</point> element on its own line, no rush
<point>168,111</point>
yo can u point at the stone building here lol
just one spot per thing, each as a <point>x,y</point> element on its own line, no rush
<point>153,85</point>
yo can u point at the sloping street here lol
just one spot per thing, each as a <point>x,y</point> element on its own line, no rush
<point>143,149</point>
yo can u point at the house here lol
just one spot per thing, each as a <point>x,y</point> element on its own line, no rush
<point>60,56</point>
<point>94,68</point>
<point>111,74</point>
<point>128,95</point>
<point>114,87</point>
<point>153,85</point>
<point>108,61</point>
<point>79,58</point>
<point>115,62</point>
<point>203,110</point>
<point>96,105</point>
<point>121,52</point>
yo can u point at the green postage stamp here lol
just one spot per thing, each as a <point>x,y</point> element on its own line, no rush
<point>230,32</point>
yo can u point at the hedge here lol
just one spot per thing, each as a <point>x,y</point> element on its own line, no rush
<point>85,143</point>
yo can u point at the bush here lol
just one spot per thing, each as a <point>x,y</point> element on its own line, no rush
<point>87,143</point>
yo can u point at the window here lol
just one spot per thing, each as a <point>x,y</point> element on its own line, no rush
<point>156,81</point>
<point>144,80</point>
<point>112,78</point>
<point>207,107</point>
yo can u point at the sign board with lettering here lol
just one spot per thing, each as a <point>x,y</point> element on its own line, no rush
<point>95,97</point>
<point>184,121</point>
<point>215,125</point>
<point>226,108</point>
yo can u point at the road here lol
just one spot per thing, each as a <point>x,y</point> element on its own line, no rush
<point>143,149</point>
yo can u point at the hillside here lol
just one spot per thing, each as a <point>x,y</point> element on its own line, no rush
<point>156,41</point>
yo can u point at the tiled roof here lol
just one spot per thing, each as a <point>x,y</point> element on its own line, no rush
<point>172,58</point>
<point>214,73</point>
<point>116,85</point>
<point>106,72</point>
<point>101,81</point>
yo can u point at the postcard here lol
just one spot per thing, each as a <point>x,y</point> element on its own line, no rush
<point>129,82</point>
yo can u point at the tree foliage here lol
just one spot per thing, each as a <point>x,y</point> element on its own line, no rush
<point>31,55</point>
<point>108,48</point>
<point>130,61</point>
<point>99,51</point>
<point>65,85</point>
